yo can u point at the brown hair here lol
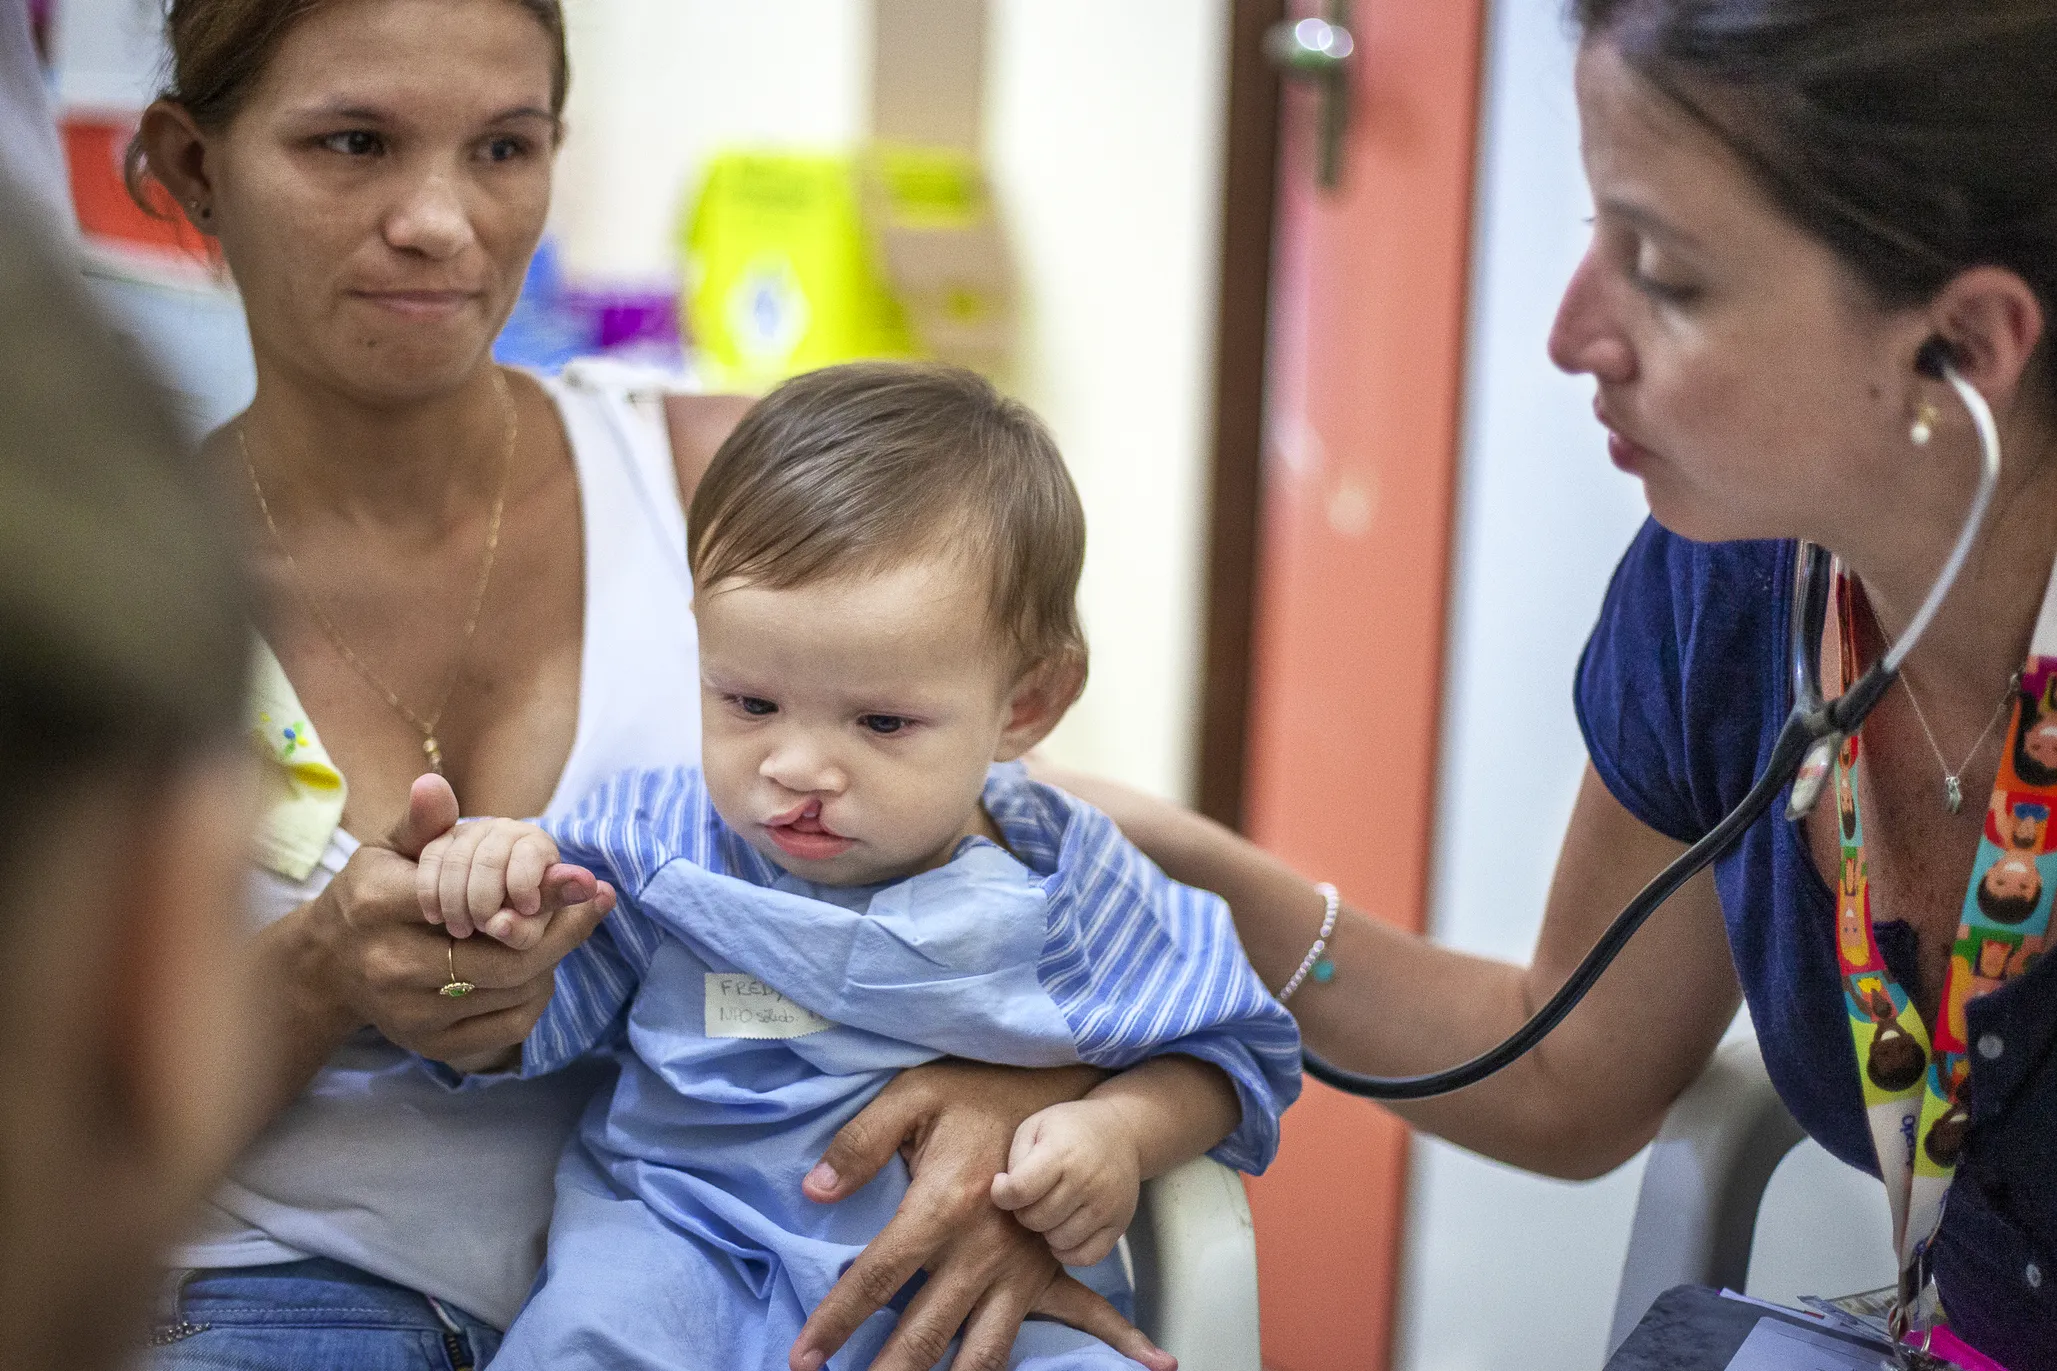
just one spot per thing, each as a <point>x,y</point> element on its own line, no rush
<point>1917,138</point>
<point>852,468</point>
<point>124,619</point>
<point>220,49</point>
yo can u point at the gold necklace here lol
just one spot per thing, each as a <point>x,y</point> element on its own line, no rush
<point>424,726</point>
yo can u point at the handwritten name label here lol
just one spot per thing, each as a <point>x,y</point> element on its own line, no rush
<point>740,1006</point>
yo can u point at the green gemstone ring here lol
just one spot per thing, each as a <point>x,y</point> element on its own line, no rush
<point>455,989</point>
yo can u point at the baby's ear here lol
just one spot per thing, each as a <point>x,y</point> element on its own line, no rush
<point>1039,700</point>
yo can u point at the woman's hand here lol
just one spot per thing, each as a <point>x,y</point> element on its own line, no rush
<point>955,1122</point>
<point>361,953</point>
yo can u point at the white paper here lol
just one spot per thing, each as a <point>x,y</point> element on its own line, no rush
<point>740,1006</point>
<point>1774,1345</point>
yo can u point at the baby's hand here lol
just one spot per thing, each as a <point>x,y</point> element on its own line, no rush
<point>500,877</point>
<point>1073,1176</point>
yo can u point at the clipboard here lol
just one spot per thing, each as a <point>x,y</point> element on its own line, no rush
<point>1692,1328</point>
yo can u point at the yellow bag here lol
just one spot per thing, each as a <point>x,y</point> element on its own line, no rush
<point>781,274</point>
<point>796,261</point>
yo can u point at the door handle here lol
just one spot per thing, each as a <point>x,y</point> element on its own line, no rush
<point>1319,51</point>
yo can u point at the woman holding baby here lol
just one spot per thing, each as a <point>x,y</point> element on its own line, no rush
<point>478,573</point>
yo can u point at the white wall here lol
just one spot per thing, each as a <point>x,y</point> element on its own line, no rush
<point>1503,1268</point>
<point>660,85</point>
<point>1103,130</point>
<point>108,53</point>
<point>1104,124</point>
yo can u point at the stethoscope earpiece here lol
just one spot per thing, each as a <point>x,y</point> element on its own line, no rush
<point>1934,359</point>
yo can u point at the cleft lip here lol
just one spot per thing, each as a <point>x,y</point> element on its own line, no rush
<point>796,812</point>
<point>804,817</point>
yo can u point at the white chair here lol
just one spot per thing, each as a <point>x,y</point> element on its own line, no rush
<point>1736,1196</point>
<point>1193,1254</point>
<point>1707,1170</point>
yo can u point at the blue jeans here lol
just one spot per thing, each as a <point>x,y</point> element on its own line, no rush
<point>316,1315</point>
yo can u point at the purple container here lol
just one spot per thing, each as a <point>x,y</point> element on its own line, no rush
<point>626,318</point>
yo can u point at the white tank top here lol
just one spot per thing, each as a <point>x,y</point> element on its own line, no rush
<point>377,1164</point>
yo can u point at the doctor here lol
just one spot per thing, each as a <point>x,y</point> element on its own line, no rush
<point>1793,199</point>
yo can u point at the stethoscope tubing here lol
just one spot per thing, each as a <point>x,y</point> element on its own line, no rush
<point>1794,741</point>
<point>1800,756</point>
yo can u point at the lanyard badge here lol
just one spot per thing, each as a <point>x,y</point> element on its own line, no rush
<point>1916,1076</point>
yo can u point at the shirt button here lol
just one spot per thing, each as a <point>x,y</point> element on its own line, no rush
<point>2034,1276</point>
<point>1990,1047</point>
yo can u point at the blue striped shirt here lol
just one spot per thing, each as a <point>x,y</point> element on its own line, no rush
<point>1134,964</point>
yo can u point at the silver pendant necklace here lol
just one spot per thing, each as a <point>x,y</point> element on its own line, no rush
<point>1953,785</point>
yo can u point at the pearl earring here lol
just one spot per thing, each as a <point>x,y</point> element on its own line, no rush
<point>1924,424</point>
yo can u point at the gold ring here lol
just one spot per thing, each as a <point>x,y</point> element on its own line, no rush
<point>454,988</point>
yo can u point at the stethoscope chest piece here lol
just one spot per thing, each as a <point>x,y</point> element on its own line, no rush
<point>1812,777</point>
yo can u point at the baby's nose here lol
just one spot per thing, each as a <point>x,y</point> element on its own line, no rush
<point>802,769</point>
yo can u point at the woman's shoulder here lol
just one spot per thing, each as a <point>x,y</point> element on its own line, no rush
<point>1682,682</point>
<point>664,411</point>
<point>698,425</point>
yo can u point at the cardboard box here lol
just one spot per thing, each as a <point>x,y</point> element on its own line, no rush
<point>943,251</point>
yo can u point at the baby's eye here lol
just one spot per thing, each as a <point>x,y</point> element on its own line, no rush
<point>751,705</point>
<point>883,724</point>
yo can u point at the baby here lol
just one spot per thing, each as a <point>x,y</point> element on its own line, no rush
<point>887,559</point>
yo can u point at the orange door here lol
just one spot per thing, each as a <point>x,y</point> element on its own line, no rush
<point>1368,310</point>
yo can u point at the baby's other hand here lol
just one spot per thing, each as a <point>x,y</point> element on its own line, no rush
<point>1073,1176</point>
<point>500,877</point>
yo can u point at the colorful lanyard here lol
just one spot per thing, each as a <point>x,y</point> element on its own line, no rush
<point>1916,1088</point>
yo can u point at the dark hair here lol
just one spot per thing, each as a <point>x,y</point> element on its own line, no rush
<point>851,468</point>
<point>1945,1141</point>
<point>124,623</point>
<point>2032,714</point>
<point>1895,1060</point>
<point>2008,909</point>
<point>1917,138</point>
<point>220,49</point>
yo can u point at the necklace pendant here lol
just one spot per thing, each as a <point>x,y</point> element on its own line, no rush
<point>435,756</point>
<point>1953,793</point>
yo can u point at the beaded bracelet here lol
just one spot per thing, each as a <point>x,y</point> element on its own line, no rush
<point>1320,967</point>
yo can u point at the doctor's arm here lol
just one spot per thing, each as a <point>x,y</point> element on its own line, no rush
<point>1594,1091</point>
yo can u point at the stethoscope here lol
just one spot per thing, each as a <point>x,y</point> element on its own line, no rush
<point>1803,755</point>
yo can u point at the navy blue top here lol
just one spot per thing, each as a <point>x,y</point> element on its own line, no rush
<point>1681,692</point>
